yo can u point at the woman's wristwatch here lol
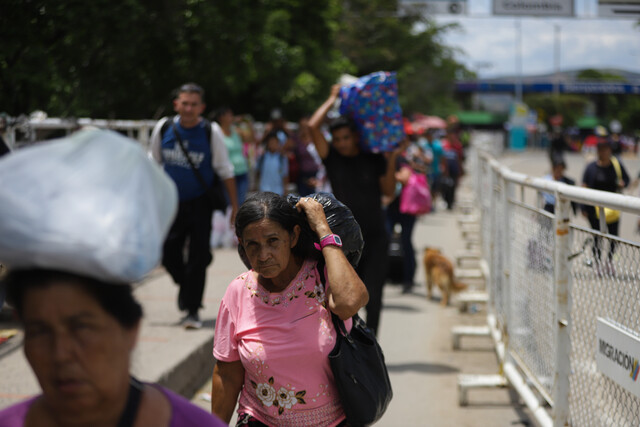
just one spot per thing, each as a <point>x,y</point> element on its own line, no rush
<point>329,240</point>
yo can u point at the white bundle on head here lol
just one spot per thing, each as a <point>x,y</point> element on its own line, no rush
<point>92,204</point>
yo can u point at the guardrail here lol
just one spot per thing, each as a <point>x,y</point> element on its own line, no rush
<point>558,294</point>
<point>24,130</point>
<point>29,128</point>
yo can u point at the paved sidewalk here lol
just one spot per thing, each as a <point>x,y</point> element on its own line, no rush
<point>415,336</point>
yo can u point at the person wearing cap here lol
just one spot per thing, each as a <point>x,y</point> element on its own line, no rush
<point>359,179</point>
<point>606,173</point>
<point>74,243</point>
<point>210,157</point>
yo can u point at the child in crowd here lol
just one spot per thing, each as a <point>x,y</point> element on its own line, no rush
<point>273,166</point>
<point>558,167</point>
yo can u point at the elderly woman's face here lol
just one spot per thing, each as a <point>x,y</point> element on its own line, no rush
<point>268,247</point>
<point>79,353</point>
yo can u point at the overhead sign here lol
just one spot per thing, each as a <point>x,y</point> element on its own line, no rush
<point>619,8</point>
<point>533,7</point>
<point>577,87</point>
<point>618,355</point>
<point>438,7</point>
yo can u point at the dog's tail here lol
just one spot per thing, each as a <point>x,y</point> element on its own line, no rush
<point>457,286</point>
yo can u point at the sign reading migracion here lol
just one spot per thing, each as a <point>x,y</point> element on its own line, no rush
<point>618,355</point>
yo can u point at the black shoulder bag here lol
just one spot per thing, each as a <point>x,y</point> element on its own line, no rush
<point>358,366</point>
<point>215,191</point>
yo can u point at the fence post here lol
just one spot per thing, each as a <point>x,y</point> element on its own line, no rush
<point>508,192</point>
<point>562,273</point>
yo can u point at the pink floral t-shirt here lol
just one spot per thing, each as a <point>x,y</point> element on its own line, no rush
<point>283,340</point>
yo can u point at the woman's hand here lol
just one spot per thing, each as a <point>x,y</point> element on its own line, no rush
<point>403,175</point>
<point>315,215</point>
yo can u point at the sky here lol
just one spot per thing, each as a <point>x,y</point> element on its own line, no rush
<point>488,44</point>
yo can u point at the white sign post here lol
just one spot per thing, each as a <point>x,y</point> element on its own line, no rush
<point>618,355</point>
<point>562,8</point>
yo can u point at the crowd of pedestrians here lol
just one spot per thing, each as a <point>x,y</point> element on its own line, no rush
<point>231,178</point>
<point>606,173</point>
<point>320,155</point>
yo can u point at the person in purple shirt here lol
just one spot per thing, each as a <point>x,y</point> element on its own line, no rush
<point>79,337</point>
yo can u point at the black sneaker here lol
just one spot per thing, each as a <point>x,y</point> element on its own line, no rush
<point>191,321</point>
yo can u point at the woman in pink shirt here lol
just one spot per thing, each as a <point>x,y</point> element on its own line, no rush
<point>274,330</point>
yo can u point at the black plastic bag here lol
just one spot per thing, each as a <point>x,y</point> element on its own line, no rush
<point>341,221</point>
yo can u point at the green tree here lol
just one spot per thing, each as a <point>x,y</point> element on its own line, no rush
<point>374,37</point>
<point>570,107</point>
<point>122,59</point>
<point>625,108</point>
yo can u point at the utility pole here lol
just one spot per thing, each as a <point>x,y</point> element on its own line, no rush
<point>556,60</point>
<point>518,25</point>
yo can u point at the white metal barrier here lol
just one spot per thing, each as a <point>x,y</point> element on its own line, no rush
<point>550,279</point>
<point>31,128</point>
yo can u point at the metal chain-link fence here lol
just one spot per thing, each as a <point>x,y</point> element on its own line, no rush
<point>532,294</point>
<point>497,253</point>
<point>605,283</point>
<point>547,300</point>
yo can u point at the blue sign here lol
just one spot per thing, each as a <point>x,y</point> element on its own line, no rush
<point>578,87</point>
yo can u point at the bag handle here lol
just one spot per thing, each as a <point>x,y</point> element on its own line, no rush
<point>128,416</point>
<point>338,323</point>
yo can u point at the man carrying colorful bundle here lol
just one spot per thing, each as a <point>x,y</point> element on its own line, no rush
<point>359,179</point>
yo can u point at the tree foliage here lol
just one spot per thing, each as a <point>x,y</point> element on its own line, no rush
<point>570,107</point>
<point>375,37</point>
<point>122,59</point>
<point>625,109</point>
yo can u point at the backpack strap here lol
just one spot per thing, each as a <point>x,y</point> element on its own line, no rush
<point>128,416</point>
<point>260,162</point>
<point>616,166</point>
<point>168,124</point>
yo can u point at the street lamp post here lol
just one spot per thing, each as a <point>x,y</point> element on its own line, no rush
<point>556,60</point>
<point>518,25</point>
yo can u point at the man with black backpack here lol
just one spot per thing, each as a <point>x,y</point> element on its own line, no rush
<point>192,152</point>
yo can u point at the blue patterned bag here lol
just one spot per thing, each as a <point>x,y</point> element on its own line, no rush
<point>372,102</point>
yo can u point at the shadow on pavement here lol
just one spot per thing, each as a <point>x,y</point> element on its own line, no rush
<point>400,307</point>
<point>428,368</point>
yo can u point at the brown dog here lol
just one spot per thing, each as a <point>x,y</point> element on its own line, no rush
<point>439,270</point>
